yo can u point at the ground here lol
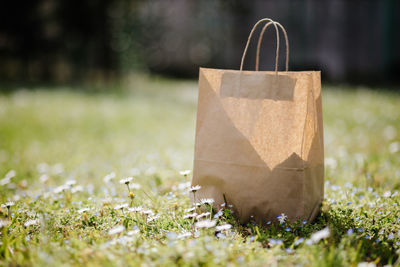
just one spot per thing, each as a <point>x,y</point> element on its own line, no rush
<point>65,152</point>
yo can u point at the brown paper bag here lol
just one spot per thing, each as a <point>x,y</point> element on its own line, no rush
<point>259,140</point>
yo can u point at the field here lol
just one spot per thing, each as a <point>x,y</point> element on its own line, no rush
<point>65,152</point>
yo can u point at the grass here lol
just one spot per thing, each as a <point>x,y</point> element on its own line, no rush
<point>63,153</point>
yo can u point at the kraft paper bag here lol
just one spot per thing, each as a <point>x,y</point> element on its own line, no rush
<point>259,140</point>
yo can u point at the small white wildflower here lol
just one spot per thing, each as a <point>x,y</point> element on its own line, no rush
<point>366,264</point>
<point>116,230</point>
<point>8,204</point>
<point>281,218</point>
<point>183,186</point>
<point>322,234</point>
<point>206,224</point>
<point>171,235</point>
<point>205,214</point>
<point>153,218</point>
<point>83,210</point>
<point>184,235</point>
<point>195,188</point>
<point>133,232</point>
<point>60,189</point>
<point>121,206</point>
<point>43,178</point>
<point>126,180</point>
<point>4,223</point>
<point>190,215</point>
<point>218,214</point>
<point>190,209</point>
<point>31,222</point>
<point>77,188</point>
<point>221,235</point>
<point>387,194</point>
<point>208,201</point>
<point>109,177</point>
<point>5,181</point>
<point>11,174</point>
<point>70,182</point>
<point>223,227</point>
<point>394,147</point>
<point>7,178</point>
<point>135,209</point>
<point>147,212</point>
<point>185,172</point>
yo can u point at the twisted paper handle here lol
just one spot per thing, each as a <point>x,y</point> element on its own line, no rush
<point>276,24</point>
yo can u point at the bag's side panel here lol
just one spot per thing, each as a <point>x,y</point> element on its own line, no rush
<point>313,150</point>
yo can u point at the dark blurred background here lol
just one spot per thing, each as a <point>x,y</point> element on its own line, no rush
<point>66,41</point>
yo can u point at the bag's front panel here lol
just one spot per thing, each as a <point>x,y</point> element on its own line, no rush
<point>249,143</point>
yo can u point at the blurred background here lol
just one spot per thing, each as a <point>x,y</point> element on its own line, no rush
<point>58,42</point>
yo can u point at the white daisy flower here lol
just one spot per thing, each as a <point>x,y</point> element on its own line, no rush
<point>190,209</point>
<point>4,223</point>
<point>387,194</point>
<point>206,224</point>
<point>77,188</point>
<point>190,215</point>
<point>43,178</point>
<point>183,186</point>
<point>208,201</point>
<point>184,235</point>
<point>205,214</point>
<point>223,227</point>
<point>31,222</point>
<point>126,180</point>
<point>367,264</point>
<point>282,218</point>
<point>317,236</point>
<point>5,181</point>
<point>83,210</point>
<point>218,214</point>
<point>197,204</point>
<point>121,206</point>
<point>195,188</point>
<point>109,177</point>
<point>135,209</point>
<point>133,232</point>
<point>8,204</point>
<point>60,189</point>
<point>11,174</point>
<point>148,212</point>
<point>185,172</point>
<point>70,182</point>
<point>153,218</point>
<point>116,230</point>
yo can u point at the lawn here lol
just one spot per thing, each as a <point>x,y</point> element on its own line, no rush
<point>65,152</point>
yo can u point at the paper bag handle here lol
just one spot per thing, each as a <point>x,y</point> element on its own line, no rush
<point>259,43</point>
<point>260,38</point>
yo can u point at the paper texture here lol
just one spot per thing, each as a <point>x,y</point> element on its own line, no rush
<point>259,143</point>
